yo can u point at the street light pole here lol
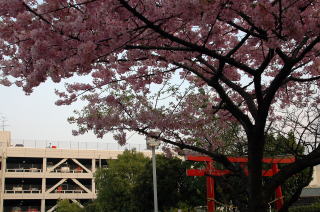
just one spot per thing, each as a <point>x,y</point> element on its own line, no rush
<point>154,173</point>
<point>153,144</point>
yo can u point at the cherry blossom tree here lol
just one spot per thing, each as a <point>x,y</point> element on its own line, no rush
<point>184,68</point>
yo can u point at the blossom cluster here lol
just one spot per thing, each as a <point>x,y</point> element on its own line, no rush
<point>238,51</point>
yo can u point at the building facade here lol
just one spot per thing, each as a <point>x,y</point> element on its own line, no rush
<point>34,179</point>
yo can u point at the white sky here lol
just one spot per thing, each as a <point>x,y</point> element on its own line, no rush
<point>36,117</point>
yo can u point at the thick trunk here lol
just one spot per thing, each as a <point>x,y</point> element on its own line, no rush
<point>255,154</point>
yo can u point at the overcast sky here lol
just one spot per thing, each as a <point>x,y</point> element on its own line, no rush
<point>36,117</point>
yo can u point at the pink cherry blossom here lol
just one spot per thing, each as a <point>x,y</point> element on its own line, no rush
<point>190,69</point>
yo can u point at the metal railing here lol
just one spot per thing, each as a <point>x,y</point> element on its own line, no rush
<point>22,209</point>
<point>39,191</point>
<point>40,170</point>
<point>96,145</point>
<point>22,191</point>
<point>24,170</point>
<point>69,191</point>
<point>70,171</point>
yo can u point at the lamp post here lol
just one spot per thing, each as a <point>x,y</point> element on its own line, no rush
<point>153,144</point>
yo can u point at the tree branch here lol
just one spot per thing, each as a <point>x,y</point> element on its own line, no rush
<point>175,39</point>
<point>167,48</point>
<point>303,79</point>
<point>215,156</point>
<point>310,160</point>
<point>232,108</point>
<point>248,98</point>
<point>238,46</point>
<point>257,77</point>
<point>307,49</point>
<point>48,22</point>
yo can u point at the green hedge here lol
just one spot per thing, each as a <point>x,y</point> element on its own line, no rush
<point>306,208</point>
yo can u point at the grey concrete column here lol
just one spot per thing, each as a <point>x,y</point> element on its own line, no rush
<point>44,171</point>
<point>43,185</point>
<point>93,165</point>
<point>44,165</point>
<point>3,171</point>
<point>93,169</point>
<point>43,205</point>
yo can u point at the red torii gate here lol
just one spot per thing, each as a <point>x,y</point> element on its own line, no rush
<point>210,170</point>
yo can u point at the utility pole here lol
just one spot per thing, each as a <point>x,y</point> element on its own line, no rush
<point>3,121</point>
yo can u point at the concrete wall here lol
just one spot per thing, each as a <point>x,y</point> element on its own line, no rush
<point>315,183</point>
<point>5,138</point>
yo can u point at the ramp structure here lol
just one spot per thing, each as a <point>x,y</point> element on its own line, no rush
<point>33,179</point>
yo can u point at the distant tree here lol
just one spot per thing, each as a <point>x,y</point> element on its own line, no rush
<point>116,184</point>
<point>67,206</point>
<point>91,207</point>
<point>127,185</point>
<point>175,189</point>
<point>276,146</point>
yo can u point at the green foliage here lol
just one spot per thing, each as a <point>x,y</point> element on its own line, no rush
<point>175,189</point>
<point>66,206</point>
<point>127,185</point>
<point>233,143</point>
<point>91,207</point>
<point>306,208</point>
<point>116,184</point>
<point>281,145</point>
<point>276,146</point>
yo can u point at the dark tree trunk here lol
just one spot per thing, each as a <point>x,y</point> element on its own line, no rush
<point>256,142</point>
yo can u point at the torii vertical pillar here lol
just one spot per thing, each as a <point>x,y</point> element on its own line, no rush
<point>279,202</point>
<point>210,187</point>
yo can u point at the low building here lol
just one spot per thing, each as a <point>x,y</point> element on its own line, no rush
<point>33,179</point>
<point>311,193</point>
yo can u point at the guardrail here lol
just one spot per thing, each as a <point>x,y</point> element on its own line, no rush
<point>71,171</point>
<point>24,170</point>
<point>40,170</point>
<point>39,191</point>
<point>81,145</point>
<point>22,209</point>
<point>22,191</point>
<point>69,191</point>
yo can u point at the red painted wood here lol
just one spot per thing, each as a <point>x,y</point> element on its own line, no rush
<point>199,158</point>
<point>243,159</point>
<point>279,203</point>
<point>195,172</point>
<point>238,160</point>
<point>209,171</point>
<point>278,160</point>
<point>220,172</point>
<point>210,187</point>
<point>203,172</point>
<point>267,173</point>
